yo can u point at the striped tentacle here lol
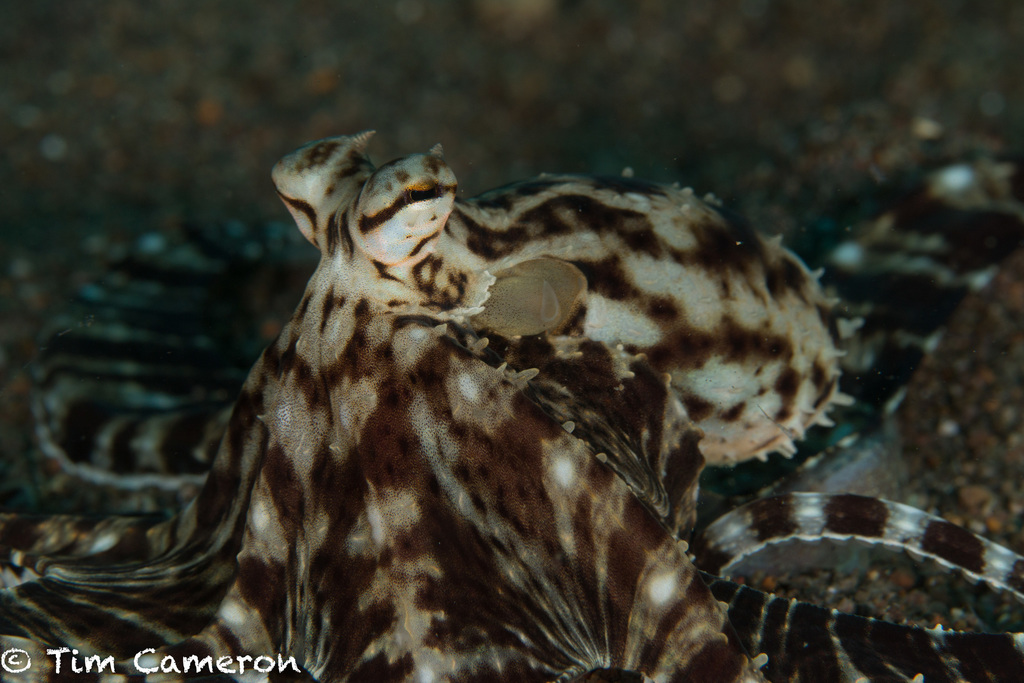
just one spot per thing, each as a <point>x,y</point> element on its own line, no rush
<point>808,643</point>
<point>13,571</point>
<point>813,517</point>
<point>32,542</point>
<point>132,389</point>
<point>130,370</point>
<point>904,273</point>
<point>105,605</point>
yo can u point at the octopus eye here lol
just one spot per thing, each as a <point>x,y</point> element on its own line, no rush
<point>421,195</point>
<point>402,209</point>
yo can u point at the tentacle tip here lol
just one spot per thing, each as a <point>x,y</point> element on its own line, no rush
<point>848,327</point>
<point>362,139</point>
<point>823,420</point>
<point>841,399</point>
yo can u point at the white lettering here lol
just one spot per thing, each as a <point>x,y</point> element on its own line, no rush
<point>167,665</point>
<point>140,656</point>
<point>56,657</point>
<point>242,659</point>
<point>16,660</point>
<point>267,668</point>
<point>101,664</point>
<point>222,665</point>
<point>146,663</point>
<point>193,660</point>
<point>290,661</point>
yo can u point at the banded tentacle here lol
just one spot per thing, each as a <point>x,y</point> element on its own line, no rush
<point>806,643</point>
<point>133,385</point>
<point>168,584</point>
<point>30,541</point>
<point>904,272</point>
<point>751,528</point>
<point>128,381</point>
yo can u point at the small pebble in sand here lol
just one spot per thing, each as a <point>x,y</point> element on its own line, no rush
<point>974,498</point>
<point>903,578</point>
<point>948,428</point>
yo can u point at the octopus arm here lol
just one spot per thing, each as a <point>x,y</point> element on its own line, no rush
<point>804,642</point>
<point>627,415</point>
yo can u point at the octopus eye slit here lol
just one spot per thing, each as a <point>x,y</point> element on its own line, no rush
<point>415,195</point>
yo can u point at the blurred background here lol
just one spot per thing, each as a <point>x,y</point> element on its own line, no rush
<point>120,114</point>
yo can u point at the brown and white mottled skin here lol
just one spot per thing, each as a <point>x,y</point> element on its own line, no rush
<point>737,321</point>
<point>393,501</point>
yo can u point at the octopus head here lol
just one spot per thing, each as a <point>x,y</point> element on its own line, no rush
<point>403,207</point>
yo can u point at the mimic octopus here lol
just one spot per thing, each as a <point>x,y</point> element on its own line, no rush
<point>473,452</point>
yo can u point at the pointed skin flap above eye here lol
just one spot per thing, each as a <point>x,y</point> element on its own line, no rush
<point>320,179</point>
<point>532,297</point>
